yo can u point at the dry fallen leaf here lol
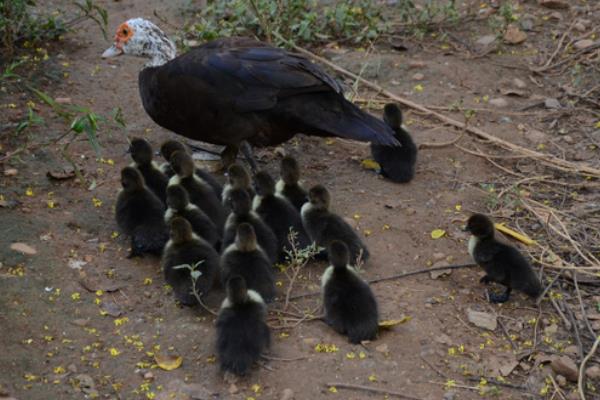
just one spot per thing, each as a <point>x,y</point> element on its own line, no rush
<point>437,233</point>
<point>390,323</point>
<point>168,362</point>
<point>370,164</point>
<point>514,35</point>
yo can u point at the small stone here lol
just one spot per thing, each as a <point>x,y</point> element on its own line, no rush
<point>382,348</point>
<point>561,380</point>
<point>551,329</point>
<point>81,321</point>
<point>63,100</point>
<point>486,40</point>
<point>438,256</point>
<point>527,24</point>
<point>566,367</point>
<point>499,102</point>
<point>579,27</point>
<point>583,44</point>
<point>552,103</point>
<point>519,83</point>
<point>571,350</point>
<point>287,394</point>
<point>449,395</point>
<point>514,35</point>
<point>72,368</point>
<point>149,375</point>
<point>10,172</point>
<point>554,4</point>
<point>233,389</point>
<point>593,372</point>
<point>418,76</point>
<point>443,339</point>
<point>568,139</point>
<point>482,319</point>
<point>23,248</point>
<point>556,15</point>
<point>414,64</point>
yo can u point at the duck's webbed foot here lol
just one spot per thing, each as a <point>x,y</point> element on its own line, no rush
<point>249,156</point>
<point>499,297</point>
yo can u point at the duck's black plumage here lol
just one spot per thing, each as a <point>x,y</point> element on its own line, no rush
<point>324,226</point>
<point>288,186</point>
<point>241,212</point>
<point>501,262</point>
<point>248,260</point>
<point>279,214</point>
<point>350,306</point>
<point>139,214</point>
<point>246,90</point>
<point>179,205</point>
<point>397,162</point>
<point>242,331</point>
<point>154,178</point>
<point>171,146</point>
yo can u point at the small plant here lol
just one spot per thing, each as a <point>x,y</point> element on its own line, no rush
<point>195,274</point>
<point>298,20</point>
<point>425,17</point>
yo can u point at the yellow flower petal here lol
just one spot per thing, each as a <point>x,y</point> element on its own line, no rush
<point>437,233</point>
<point>168,362</point>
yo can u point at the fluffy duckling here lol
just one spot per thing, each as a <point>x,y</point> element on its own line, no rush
<point>237,178</point>
<point>178,203</point>
<point>185,247</point>
<point>239,201</point>
<point>278,213</point>
<point>245,258</point>
<point>397,162</point>
<point>242,330</point>
<point>323,226</point>
<point>139,214</point>
<point>350,306</point>
<point>155,180</point>
<point>502,263</point>
<point>171,146</point>
<point>288,186</point>
<point>200,192</point>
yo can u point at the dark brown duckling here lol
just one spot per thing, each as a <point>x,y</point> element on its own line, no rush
<point>288,186</point>
<point>142,153</point>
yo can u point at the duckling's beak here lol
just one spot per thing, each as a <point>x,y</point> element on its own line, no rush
<point>112,51</point>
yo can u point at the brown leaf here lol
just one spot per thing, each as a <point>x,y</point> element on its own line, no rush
<point>554,4</point>
<point>514,35</point>
<point>62,174</point>
<point>23,248</point>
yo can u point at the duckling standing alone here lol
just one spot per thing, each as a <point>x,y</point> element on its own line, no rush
<point>350,306</point>
<point>323,226</point>
<point>245,258</point>
<point>139,214</point>
<point>278,213</point>
<point>397,163</point>
<point>200,193</point>
<point>185,248</point>
<point>242,331</point>
<point>239,201</point>
<point>501,262</point>
<point>288,186</point>
<point>237,178</point>
<point>171,146</point>
<point>155,180</point>
<point>179,206</point>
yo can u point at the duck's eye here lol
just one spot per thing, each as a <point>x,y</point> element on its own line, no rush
<point>124,32</point>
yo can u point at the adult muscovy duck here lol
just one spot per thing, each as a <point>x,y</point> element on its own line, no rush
<point>233,90</point>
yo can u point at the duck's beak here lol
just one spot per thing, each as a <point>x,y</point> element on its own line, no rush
<point>112,51</point>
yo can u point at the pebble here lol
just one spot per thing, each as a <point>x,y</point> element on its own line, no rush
<point>382,348</point>
<point>568,139</point>
<point>579,27</point>
<point>449,395</point>
<point>519,83</point>
<point>418,76</point>
<point>287,394</point>
<point>486,40</point>
<point>561,380</point>
<point>23,248</point>
<point>499,102</point>
<point>566,367</point>
<point>593,372</point>
<point>482,319</point>
<point>414,64</point>
<point>552,103</point>
<point>583,44</point>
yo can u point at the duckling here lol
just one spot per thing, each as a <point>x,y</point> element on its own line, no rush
<point>246,258</point>
<point>155,180</point>
<point>350,306</point>
<point>242,330</point>
<point>502,263</point>
<point>323,226</point>
<point>200,193</point>
<point>171,146</point>
<point>288,186</point>
<point>237,178</point>
<point>278,213</point>
<point>239,201</point>
<point>186,248</point>
<point>179,205</point>
<point>397,162</point>
<point>139,214</point>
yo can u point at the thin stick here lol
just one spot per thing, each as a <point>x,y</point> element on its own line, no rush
<point>397,276</point>
<point>370,389</point>
<point>270,358</point>
<point>580,381</point>
<point>583,313</point>
<point>547,159</point>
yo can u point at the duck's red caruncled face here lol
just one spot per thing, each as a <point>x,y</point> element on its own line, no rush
<point>124,33</point>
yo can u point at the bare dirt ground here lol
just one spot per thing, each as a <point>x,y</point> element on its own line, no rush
<point>79,320</point>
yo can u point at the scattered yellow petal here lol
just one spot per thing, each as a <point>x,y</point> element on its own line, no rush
<point>121,321</point>
<point>96,202</point>
<point>284,335</point>
<point>51,203</point>
<point>59,370</point>
<point>437,233</point>
<point>329,141</point>
<point>326,348</point>
<point>597,125</point>
<point>168,362</point>
<point>256,388</point>
<point>362,355</point>
<point>114,352</point>
<point>418,88</point>
<point>114,235</point>
<point>148,281</point>
<point>211,359</point>
<point>351,355</point>
<point>29,192</point>
<point>356,216</point>
<point>458,207</point>
<point>367,232</point>
<point>386,227</point>
<point>332,389</point>
<point>372,378</point>
<point>279,283</point>
<point>370,164</point>
<point>75,296</point>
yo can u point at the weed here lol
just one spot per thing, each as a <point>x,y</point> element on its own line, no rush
<point>426,17</point>
<point>301,21</point>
